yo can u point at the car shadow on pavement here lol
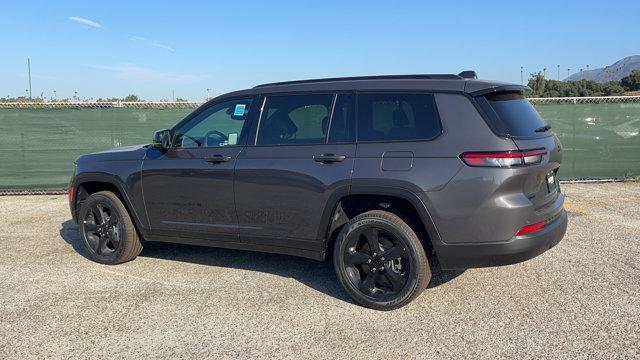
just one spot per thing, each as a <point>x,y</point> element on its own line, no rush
<point>318,275</point>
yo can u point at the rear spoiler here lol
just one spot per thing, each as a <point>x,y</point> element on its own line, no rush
<point>469,74</point>
<point>501,88</point>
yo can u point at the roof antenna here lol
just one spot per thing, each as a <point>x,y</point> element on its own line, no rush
<point>468,74</point>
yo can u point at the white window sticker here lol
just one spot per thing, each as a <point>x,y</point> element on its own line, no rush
<point>239,110</point>
<point>233,139</point>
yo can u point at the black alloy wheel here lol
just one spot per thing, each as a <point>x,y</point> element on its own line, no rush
<point>376,262</point>
<point>101,227</point>
<point>380,261</point>
<point>107,232</point>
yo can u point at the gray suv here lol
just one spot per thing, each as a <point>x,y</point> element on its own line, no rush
<point>373,172</point>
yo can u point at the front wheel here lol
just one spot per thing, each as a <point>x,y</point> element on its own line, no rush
<point>380,261</point>
<point>106,230</point>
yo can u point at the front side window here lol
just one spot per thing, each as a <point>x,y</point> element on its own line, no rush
<point>295,119</point>
<point>219,125</point>
<point>397,116</point>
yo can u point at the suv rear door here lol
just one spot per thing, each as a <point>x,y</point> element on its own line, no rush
<point>300,161</point>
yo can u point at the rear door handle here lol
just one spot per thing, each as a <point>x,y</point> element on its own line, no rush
<point>328,158</point>
<point>218,159</point>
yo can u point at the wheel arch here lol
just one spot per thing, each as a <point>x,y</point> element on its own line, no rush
<point>87,184</point>
<point>337,215</point>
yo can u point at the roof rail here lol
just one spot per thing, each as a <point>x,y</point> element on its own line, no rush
<point>376,77</point>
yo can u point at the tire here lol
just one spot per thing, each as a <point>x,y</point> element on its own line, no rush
<point>107,233</point>
<point>357,266</point>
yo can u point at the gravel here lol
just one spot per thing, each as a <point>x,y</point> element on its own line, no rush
<point>579,300</point>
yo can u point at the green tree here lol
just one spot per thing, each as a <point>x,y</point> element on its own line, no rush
<point>537,84</point>
<point>612,88</point>
<point>131,97</point>
<point>631,82</point>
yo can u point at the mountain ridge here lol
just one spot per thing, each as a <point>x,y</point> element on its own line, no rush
<point>613,72</point>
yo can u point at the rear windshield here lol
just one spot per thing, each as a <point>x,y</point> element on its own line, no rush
<point>513,114</point>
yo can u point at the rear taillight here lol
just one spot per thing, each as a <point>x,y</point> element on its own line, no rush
<point>503,159</point>
<point>531,228</point>
<point>71,191</point>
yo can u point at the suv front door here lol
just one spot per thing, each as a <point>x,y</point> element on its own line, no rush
<point>188,188</point>
<point>301,160</point>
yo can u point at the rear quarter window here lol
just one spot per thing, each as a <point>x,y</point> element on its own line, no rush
<point>397,117</point>
<point>512,114</point>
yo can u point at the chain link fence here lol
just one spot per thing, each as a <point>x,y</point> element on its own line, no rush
<point>39,141</point>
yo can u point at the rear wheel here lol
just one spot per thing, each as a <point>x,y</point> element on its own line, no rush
<point>380,261</point>
<point>106,230</point>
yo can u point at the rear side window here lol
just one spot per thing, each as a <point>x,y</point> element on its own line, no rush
<point>397,117</point>
<point>512,114</point>
<point>295,119</point>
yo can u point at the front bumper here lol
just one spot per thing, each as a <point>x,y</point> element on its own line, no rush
<point>518,249</point>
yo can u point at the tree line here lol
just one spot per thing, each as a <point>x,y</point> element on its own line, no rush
<point>542,87</point>
<point>26,99</point>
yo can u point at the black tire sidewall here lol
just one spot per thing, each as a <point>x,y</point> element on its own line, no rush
<point>86,206</point>
<point>417,264</point>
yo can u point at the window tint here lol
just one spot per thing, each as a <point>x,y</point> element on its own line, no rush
<point>515,115</point>
<point>217,126</point>
<point>342,122</point>
<point>294,119</point>
<point>397,116</point>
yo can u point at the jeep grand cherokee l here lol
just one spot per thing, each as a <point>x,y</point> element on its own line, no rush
<point>373,172</point>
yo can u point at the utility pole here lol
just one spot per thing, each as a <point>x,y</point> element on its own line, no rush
<point>558,72</point>
<point>521,75</point>
<point>29,70</point>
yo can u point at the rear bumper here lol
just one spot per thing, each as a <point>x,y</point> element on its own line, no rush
<point>518,249</point>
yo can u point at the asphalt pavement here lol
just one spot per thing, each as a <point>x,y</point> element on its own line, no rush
<point>580,300</point>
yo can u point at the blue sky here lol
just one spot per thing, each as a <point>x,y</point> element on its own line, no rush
<point>154,49</point>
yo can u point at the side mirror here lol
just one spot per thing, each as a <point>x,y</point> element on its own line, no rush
<point>161,139</point>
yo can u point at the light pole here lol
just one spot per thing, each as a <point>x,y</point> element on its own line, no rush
<point>29,70</point>
<point>208,94</point>
<point>55,96</point>
<point>568,72</point>
<point>581,76</point>
<point>544,73</point>
<point>521,75</point>
<point>587,72</point>
<point>558,72</point>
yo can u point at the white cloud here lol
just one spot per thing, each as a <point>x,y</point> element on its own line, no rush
<point>85,21</point>
<point>137,38</point>
<point>143,74</point>
<point>162,46</point>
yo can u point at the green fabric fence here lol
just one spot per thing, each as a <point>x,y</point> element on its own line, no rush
<point>39,143</point>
